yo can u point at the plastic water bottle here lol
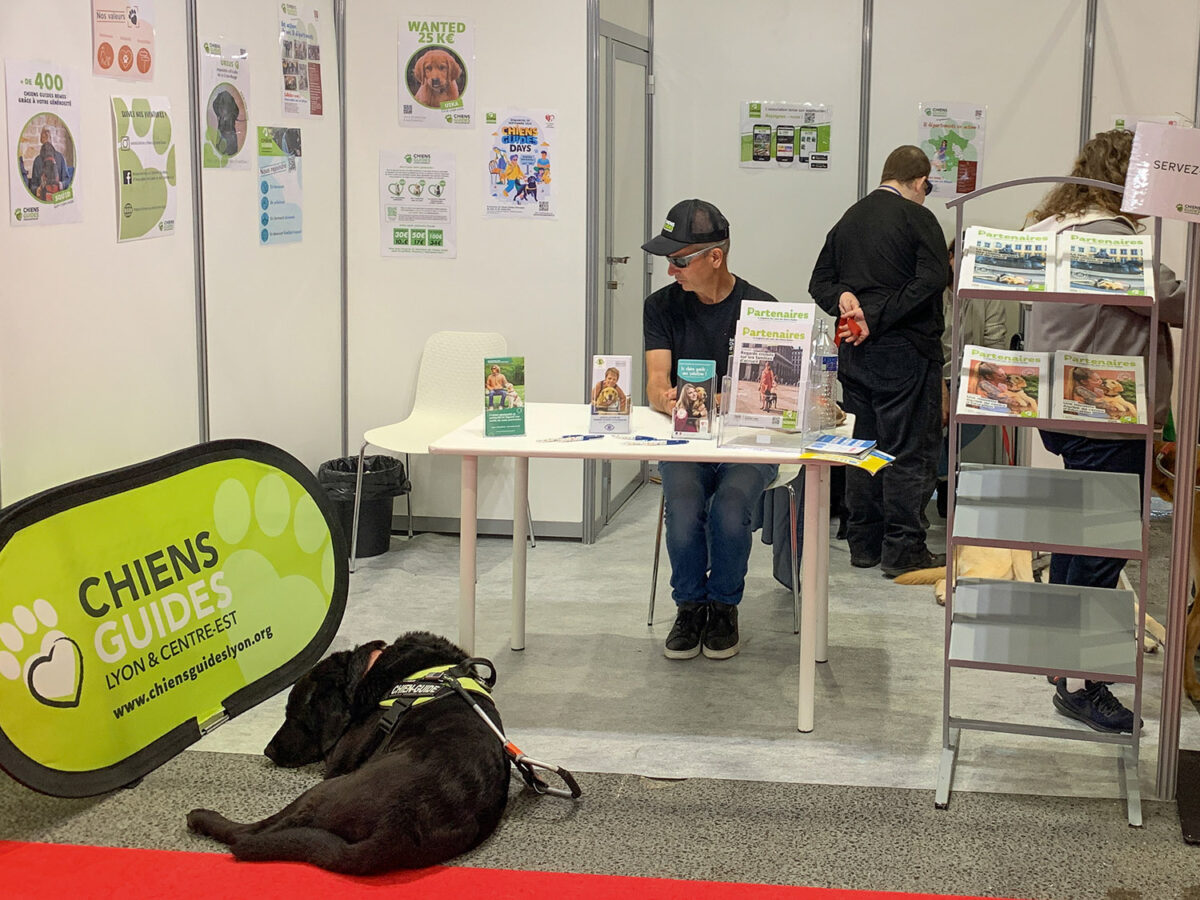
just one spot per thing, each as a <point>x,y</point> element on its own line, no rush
<point>822,381</point>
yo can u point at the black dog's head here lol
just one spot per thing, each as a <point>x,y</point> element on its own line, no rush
<point>318,707</point>
<point>321,705</point>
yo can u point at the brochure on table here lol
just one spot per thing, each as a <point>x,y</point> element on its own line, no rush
<point>608,395</point>
<point>769,369</point>
<point>695,397</point>
<point>504,396</point>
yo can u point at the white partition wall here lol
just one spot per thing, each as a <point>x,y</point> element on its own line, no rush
<point>523,278</point>
<point>97,339</point>
<point>274,312</point>
<point>1146,66</point>
<point>707,61</point>
<point>1025,64</point>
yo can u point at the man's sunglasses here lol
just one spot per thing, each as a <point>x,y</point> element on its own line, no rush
<point>928,186</point>
<point>682,262</point>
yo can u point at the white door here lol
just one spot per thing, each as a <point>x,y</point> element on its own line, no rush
<point>623,138</point>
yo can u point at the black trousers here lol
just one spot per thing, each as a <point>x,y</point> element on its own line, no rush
<point>896,398</point>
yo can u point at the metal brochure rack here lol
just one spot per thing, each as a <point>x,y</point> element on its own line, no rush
<point>1050,629</point>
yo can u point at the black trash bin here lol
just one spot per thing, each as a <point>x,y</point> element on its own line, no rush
<point>383,480</point>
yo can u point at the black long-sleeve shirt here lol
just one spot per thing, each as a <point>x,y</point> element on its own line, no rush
<point>890,253</point>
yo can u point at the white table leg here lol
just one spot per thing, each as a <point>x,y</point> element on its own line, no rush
<point>469,526</point>
<point>822,573</point>
<point>808,597</point>
<point>520,531</point>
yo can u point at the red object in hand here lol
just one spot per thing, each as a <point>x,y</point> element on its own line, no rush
<point>852,324</point>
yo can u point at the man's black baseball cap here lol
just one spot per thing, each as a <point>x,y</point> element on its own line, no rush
<point>689,222</point>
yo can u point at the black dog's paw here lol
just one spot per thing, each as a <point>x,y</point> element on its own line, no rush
<point>207,822</point>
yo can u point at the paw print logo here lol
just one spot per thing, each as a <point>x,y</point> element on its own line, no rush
<point>53,670</point>
<point>250,520</point>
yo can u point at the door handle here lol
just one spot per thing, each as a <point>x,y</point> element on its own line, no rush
<point>618,259</point>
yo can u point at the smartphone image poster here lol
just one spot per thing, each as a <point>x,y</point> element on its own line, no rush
<point>762,143</point>
<point>808,142</point>
<point>785,137</point>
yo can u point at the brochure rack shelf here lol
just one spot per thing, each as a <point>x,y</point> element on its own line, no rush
<point>1045,629</point>
<point>1056,297</point>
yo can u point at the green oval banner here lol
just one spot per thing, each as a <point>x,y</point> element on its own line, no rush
<point>142,607</point>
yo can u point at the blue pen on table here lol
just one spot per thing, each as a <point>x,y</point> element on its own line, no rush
<point>657,440</point>
<point>571,437</point>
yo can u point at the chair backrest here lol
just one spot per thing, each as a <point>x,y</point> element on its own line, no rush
<point>450,378</point>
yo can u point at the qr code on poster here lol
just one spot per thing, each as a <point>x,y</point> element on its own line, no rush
<point>408,109</point>
<point>543,206</point>
<point>810,117</point>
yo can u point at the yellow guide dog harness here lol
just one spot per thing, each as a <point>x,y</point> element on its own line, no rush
<point>464,679</point>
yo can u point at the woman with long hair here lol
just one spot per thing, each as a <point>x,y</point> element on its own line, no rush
<point>1106,330</point>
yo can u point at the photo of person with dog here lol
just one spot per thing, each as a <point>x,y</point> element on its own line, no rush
<point>1099,394</point>
<point>48,173</point>
<point>1004,383</point>
<point>1102,330</point>
<point>607,395</point>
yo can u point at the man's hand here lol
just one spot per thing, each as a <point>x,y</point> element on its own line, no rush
<point>666,399</point>
<point>945,404</point>
<point>849,309</point>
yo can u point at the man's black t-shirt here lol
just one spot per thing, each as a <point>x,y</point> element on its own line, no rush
<point>674,319</point>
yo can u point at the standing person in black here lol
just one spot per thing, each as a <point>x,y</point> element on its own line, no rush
<point>708,505</point>
<point>884,265</point>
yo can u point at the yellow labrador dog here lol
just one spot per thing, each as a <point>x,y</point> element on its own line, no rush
<point>996,563</point>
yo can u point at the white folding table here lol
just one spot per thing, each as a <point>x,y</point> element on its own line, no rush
<point>551,420</point>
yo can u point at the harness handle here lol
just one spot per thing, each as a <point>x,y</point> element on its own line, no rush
<point>524,764</point>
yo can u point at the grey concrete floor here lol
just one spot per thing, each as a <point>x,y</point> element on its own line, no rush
<point>593,692</point>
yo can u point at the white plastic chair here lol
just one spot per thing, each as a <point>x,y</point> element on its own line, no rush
<point>782,479</point>
<point>449,394</point>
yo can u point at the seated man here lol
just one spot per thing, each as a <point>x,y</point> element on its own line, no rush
<point>708,505</point>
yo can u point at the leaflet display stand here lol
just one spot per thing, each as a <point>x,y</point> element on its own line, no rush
<point>1036,628</point>
<point>732,434</point>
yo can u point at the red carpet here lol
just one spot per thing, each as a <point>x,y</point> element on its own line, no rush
<point>59,870</point>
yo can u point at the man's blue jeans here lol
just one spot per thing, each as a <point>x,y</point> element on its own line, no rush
<point>1096,455</point>
<point>708,514</point>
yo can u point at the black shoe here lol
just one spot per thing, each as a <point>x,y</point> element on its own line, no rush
<point>684,640</point>
<point>721,639</point>
<point>1094,706</point>
<point>863,562</point>
<point>928,561</point>
<point>943,487</point>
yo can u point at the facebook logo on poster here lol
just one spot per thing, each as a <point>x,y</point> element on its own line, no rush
<point>126,176</point>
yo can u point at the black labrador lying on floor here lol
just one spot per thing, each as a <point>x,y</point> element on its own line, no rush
<point>437,789</point>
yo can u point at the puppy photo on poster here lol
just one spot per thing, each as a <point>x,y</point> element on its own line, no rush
<point>435,57</point>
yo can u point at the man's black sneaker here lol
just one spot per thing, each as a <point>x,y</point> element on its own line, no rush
<point>684,640</point>
<point>721,639</point>
<point>1094,706</point>
<point>928,561</point>
<point>864,562</point>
